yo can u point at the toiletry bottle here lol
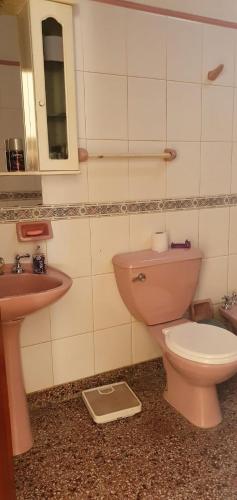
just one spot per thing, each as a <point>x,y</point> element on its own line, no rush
<point>39,264</point>
<point>16,154</point>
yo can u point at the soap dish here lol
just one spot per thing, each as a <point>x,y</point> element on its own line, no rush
<point>34,231</point>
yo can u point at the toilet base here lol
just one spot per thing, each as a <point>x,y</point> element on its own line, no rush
<point>191,386</point>
<point>199,405</point>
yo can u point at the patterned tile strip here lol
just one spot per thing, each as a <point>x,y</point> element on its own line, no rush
<point>69,211</point>
<point>20,195</point>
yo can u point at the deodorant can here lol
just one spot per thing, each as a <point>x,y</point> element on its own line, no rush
<point>16,154</point>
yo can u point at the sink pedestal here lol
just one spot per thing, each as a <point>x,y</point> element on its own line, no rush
<point>22,439</point>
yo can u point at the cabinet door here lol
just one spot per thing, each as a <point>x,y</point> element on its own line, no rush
<point>54,80</point>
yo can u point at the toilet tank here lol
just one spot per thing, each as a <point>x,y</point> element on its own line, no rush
<point>157,287</point>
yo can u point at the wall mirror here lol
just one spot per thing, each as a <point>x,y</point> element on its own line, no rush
<point>14,191</point>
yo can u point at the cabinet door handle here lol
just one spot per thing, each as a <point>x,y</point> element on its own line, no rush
<point>41,104</point>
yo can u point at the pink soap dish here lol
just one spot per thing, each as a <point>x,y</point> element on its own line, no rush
<point>34,231</point>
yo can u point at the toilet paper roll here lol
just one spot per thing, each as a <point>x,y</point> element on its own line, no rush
<point>159,242</point>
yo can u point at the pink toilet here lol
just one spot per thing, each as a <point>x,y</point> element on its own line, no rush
<point>158,288</point>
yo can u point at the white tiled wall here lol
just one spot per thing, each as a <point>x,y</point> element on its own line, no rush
<point>142,84</point>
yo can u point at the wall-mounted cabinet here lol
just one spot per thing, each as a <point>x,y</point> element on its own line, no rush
<point>48,83</point>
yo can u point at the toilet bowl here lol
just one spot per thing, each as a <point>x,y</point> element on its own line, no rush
<point>196,357</point>
<point>158,289</point>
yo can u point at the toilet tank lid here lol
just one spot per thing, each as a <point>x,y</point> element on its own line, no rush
<point>148,258</point>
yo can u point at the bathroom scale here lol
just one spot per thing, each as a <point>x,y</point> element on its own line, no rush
<point>110,402</point>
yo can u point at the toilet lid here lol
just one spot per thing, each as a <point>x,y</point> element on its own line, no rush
<point>202,343</point>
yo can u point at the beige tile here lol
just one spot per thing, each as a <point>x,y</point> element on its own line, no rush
<point>147,177</point>
<point>233,232</point>
<point>213,279</point>
<point>141,228</point>
<point>146,109</point>
<point>218,48</point>
<point>105,106</point>
<point>69,250</point>
<point>234,169</point>
<point>66,188</point>
<point>37,367</point>
<point>144,347</point>
<point>15,183</point>
<point>109,309</point>
<point>104,40</point>
<point>183,225</point>
<point>112,348</point>
<point>183,173</point>
<point>10,89</point>
<point>9,32</point>
<point>214,231</point>
<point>215,167</point>
<point>81,117</point>
<point>235,114</point>
<point>11,124</point>
<point>73,358</point>
<point>183,111</point>
<point>109,236</point>
<point>217,113</point>
<point>78,47</point>
<point>36,328</point>
<point>184,50</point>
<point>146,44</point>
<point>108,179</point>
<point>73,314</point>
<point>232,273</point>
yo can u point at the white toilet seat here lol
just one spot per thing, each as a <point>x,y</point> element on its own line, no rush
<point>202,343</point>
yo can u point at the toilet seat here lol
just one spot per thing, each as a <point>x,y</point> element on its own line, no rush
<point>202,343</point>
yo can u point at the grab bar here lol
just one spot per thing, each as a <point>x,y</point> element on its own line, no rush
<point>167,155</point>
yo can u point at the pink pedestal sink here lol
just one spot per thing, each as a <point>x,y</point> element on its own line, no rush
<point>20,295</point>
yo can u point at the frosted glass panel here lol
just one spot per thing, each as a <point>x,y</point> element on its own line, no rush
<point>55,89</point>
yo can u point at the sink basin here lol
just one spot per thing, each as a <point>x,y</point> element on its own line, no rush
<point>20,295</point>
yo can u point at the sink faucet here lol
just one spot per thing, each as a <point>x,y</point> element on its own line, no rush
<point>227,302</point>
<point>17,268</point>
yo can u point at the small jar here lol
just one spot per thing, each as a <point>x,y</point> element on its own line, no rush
<point>16,155</point>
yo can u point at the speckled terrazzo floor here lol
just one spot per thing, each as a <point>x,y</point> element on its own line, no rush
<point>155,455</point>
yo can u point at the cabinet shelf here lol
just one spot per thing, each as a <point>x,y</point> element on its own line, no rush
<point>59,116</point>
<point>39,173</point>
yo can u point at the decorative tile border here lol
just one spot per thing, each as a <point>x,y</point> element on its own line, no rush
<point>77,210</point>
<point>20,195</point>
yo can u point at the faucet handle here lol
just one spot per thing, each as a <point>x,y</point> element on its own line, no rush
<point>227,301</point>
<point>234,297</point>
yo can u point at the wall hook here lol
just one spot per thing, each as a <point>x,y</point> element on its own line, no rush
<point>214,73</point>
